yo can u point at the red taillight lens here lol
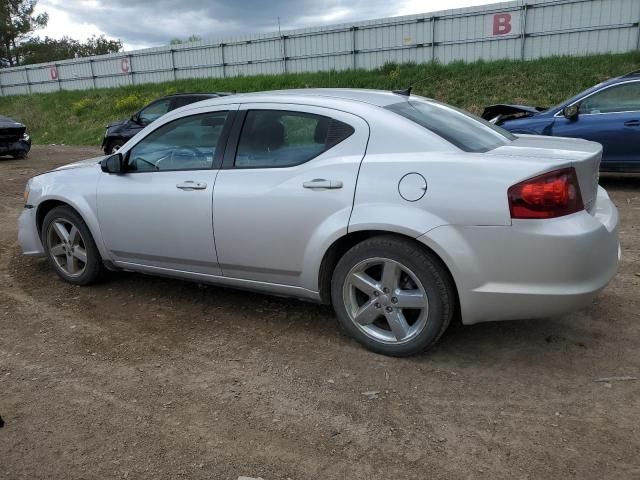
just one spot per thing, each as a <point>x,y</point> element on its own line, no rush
<point>550,195</point>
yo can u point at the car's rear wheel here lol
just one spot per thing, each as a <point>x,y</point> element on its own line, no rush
<point>392,296</point>
<point>113,146</point>
<point>70,247</point>
<point>19,155</point>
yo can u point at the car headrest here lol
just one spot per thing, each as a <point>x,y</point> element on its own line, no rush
<point>322,130</point>
<point>267,136</point>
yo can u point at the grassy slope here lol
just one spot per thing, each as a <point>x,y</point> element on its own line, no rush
<point>79,117</point>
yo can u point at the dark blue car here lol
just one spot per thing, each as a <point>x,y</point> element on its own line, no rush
<point>608,113</point>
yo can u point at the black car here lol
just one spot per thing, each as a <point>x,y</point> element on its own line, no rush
<point>14,139</point>
<point>118,133</point>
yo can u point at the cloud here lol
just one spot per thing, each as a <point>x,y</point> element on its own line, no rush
<point>140,23</point>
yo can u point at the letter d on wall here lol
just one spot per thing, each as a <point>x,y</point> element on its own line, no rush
<point>501,23</point>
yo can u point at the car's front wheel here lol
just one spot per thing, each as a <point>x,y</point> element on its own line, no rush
<point>70,247</point>
<point>392,296</point>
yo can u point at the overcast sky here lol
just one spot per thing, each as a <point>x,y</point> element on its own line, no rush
<point>147,23</point>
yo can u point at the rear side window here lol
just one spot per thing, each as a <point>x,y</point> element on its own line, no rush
<point>467,132</point>
<point>277,138</point>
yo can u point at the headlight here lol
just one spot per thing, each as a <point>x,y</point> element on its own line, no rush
<point>26,137</point>
<point>26,191</point>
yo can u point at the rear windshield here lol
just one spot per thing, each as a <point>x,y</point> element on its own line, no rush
<point>465,131</point>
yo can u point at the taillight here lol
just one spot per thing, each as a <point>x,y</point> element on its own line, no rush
<point>549,195</point>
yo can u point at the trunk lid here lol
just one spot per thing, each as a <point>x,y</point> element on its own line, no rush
<point>556,152</point>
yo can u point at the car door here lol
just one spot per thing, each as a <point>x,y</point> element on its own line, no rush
<point>287,184</point>
<point>611,117</point>
<point>159,213</point>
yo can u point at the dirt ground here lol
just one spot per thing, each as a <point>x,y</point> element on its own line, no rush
<point>142,377</point>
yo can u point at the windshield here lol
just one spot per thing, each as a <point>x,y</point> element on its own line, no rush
<point>465,131</point>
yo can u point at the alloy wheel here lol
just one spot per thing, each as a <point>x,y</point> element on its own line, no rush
<point>385,300</point>
<point>67,247</point>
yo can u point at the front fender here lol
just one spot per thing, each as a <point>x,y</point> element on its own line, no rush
<point>76,188</point>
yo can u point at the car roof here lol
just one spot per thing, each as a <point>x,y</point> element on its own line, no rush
<point>317,96</point>
<point>380,98</point>
<point>199,94</point>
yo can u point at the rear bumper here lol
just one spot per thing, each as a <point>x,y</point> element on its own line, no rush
<point>534,268</point>
<point>28,236</point>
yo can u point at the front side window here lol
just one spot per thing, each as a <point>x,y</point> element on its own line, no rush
<point>620,98</point>
<point>188,143</point>
<point>278,138</point>
<point>154,111</point>
<point>467,132</point>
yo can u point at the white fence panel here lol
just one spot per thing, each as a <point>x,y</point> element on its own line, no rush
<point>524,29</point>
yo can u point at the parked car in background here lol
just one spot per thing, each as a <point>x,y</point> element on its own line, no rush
<point>14,139</point>
<point>399,211</point>
<point>120,132</point>
<point>608,113</point>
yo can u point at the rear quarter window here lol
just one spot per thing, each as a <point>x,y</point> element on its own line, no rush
<point>467,132</point>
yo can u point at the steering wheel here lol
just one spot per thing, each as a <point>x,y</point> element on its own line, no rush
<point>193,152</point>
<point>140,159</point>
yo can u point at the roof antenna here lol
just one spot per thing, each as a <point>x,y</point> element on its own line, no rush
<point>405,93</point>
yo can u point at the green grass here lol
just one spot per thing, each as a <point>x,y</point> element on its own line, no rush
<point>79,117</point>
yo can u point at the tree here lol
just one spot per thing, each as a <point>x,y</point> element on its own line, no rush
<point>17,21</point>
<point>178,41</point>
<point>37,50</point>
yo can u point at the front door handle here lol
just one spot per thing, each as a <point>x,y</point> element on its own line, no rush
<point>191,185</point>
<point>632,123</point>
<point>322,183</point>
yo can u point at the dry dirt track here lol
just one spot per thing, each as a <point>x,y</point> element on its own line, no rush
<point>150,378</point>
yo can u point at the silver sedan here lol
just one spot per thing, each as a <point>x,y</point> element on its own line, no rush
<point>400,211</point>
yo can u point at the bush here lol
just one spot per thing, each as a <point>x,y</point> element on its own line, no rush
<point>82,105</point>
<point>129,104</point>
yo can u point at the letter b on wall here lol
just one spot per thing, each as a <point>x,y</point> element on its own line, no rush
<point>501,23</point>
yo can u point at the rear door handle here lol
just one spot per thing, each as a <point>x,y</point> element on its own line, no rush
<point>191,185</point>
<point>632,123</point>
<point>322,183</point>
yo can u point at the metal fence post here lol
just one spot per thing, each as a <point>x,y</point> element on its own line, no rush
<point>523,28</point>
<point>173,65</point>
<point>434,19</point>
<point>55,65</point>
<point>354,52</point>
<point>284,53</point>
<point>133,77</point>
<point>638,41</point>
<point>26,74</point>
<point>224,65</point>
<point>93,74</point>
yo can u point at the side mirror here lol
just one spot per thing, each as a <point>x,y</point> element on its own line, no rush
<point>571,112</point>
<point>113,164</point>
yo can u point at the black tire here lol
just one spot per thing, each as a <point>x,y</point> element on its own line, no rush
<point>20,155</point>
<point>413,260</point>
<point>93,268</point>
<point>113,145</point>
